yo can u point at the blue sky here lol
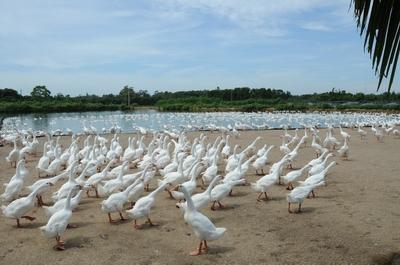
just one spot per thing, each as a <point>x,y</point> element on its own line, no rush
<point>98,46</point>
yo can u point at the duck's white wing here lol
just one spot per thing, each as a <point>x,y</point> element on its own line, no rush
<point>57,223</point>
<point>266,180</point>
<point>300,192</point>
<point>201,224</point>
<point>143,205</point>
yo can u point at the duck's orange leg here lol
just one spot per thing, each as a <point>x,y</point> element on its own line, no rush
<point>299,210</point>
<point>60,244</point>
<point>290,211</point>
<point>198,251</point>
<point>136,225</point>
<point>151,223</point>
<point>121,216</point>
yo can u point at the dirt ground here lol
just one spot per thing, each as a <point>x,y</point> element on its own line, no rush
<point>355,219</point>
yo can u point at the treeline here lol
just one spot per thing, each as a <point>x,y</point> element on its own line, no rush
<point>241,98</point>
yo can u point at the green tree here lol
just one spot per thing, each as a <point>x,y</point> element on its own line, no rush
<point>9,93</point>
<point>379,22</point>
<point>127,94</point>
<point>40,92</point>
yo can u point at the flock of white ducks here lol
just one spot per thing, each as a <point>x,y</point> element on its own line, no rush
<point>101,168</point>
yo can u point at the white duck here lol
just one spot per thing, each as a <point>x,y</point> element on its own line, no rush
<point>143,206</point>
<point>278,168</point>
<point>40,182</point>
<point>117,183</point>
<point>319,167</point>
<point>262,160</point>
<point>137,191</point>
<point>18,208</point>
<point>251,149</point>
<point>203,228</point>
<point>226,150</point>
<point>298,194</point>
<point>190,185</point>
<point>317,177</point>
<point>13,156</point>
<point>58,222</point>
<point>344,150</point>
<point>284,148</point>
<point>59,205</point>
<point>317,147</point>
<point>44,161</point>
<point>362,133</point>
<point>94,180</point>
<point>173,178</point>
<point>344,134</point>
<point>292,156</point>
<point>237,173</point>
<point>261,186</point>
<point>14,187</point>
<point>210,172</point>
<point>81,179</point>
<point>173,166</point>
<point>115,203</point>
<point>319,159</point>
<point>292,176</point>
<point>55,165</point>
<point>222,190</point>
<point>67,186</point>
<point>200,200</point>
<point>233,160</point>
<point>262,150</point>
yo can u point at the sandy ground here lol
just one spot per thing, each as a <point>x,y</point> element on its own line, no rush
<point>355,219</point>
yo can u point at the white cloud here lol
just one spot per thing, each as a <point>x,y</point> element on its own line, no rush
<point>316,25</point>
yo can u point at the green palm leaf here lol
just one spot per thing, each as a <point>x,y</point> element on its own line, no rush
<point>379,23</point>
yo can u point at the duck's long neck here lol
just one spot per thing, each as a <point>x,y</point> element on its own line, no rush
<point>215,159</point>
<point>78,195</point>
<point>328,167</point>
<point>145,171</point>
<point>297,146</point>
<point>268,150</point>
<point>192,171</point>
<point>19,168</point>
<point>303,168</point>
<point>235,182</point>
<point>180,167</point>
<point>107,167</point>
<point>254,142</point>
<point>211,185</point>
<point>130,187</point>
<point>68,200</point>
<point>314,139</point>
<point>160,188</point>
<point>121,174</point>
<point>326,159</point>
<point>189,200</point>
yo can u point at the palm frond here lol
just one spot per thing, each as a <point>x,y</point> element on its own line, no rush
<point>379,22</point>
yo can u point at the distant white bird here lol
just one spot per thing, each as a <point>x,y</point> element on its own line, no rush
<point>13,155</point>
<point>344,150</point>
<point>261,161</point>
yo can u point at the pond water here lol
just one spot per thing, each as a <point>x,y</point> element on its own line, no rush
<point>176,121</point>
